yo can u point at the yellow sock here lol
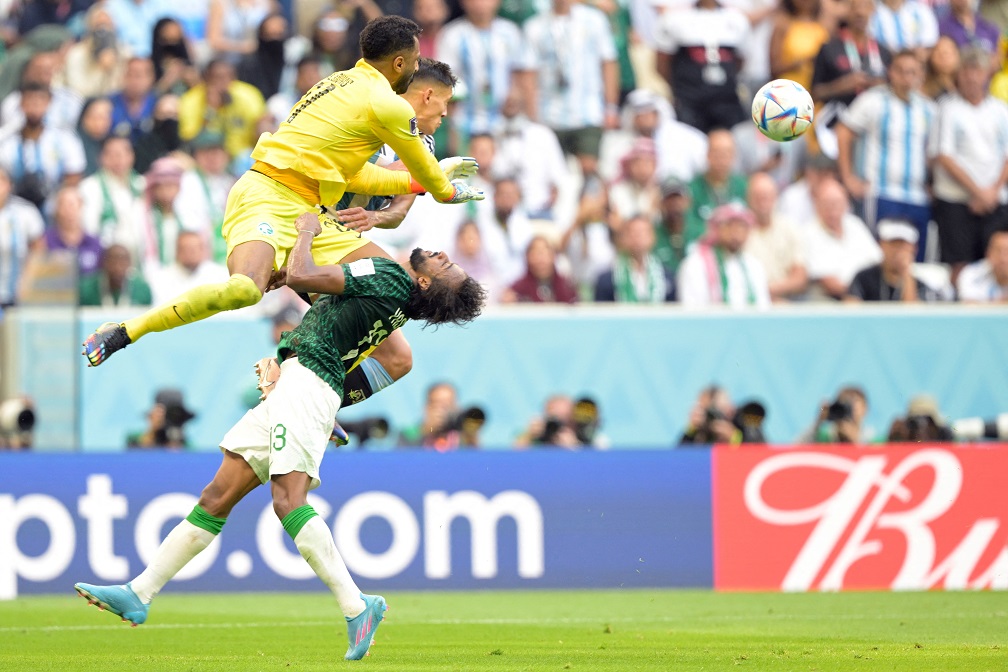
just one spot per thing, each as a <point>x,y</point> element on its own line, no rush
<point>196,304</point>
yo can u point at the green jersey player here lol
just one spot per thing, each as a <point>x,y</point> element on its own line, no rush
<point>283,439</point>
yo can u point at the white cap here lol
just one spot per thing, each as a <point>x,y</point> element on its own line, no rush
<point>895,229</point>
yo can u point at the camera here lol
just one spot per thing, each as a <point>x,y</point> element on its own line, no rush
<point>839,410</point>
<point>551,428</point>
<point>17,420</point>
<point>973,429</point>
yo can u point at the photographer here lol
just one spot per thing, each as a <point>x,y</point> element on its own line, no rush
<point>842,420</point>
<point>165,423</point>
<point>565,423</point>
<point>922,423</point>
<point>710,419</point>
<point>17,420</point>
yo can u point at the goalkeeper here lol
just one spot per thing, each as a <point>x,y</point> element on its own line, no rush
<point>318,153</point>
<point>283,440</point>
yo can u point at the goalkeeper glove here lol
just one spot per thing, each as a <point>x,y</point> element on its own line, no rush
<point>463,193</point>
<point>456,167</point>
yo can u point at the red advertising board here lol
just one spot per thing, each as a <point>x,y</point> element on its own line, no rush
<point>836,518</point>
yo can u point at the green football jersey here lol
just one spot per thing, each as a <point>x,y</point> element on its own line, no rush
<point>338,328</point>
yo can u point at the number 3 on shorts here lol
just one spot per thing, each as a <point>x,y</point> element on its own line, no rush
<point>279,437</point>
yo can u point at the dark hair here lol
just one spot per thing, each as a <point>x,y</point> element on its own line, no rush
<point>387,36</point>
<point>309,59</point>
<point>115,136</point>
<point>904,53</point>
<point>430,70</point>
<point>442,303</point>
<point>35,87</point>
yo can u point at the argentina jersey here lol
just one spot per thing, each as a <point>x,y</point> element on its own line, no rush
<point>382,158</point>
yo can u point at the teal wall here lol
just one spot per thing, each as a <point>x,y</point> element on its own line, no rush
<point>644,367</point>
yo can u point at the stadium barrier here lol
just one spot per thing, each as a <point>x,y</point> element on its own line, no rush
<point>808,518</point>
<point>643,366</point>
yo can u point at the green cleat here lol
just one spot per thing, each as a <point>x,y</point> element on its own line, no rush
<point>361,628</point>
<point>120,600</point>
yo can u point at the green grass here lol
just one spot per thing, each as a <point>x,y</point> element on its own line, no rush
<point>516,631</point>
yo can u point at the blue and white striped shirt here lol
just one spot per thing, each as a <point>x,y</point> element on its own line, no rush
<point>891,153</point>
<point>569,51</point>
<point>20,225</point>
<point>912,25</point>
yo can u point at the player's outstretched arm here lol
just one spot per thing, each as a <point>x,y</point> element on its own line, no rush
<point>302,273</point>
<point>360,219</point>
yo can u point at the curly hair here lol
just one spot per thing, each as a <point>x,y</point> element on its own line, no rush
<point>387,36</point>
<point>442,303</point>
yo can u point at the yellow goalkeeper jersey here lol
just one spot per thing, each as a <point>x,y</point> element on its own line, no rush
<point>323,146</point>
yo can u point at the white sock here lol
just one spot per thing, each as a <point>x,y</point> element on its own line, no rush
<point>317,547</point>
<point>180,546</point>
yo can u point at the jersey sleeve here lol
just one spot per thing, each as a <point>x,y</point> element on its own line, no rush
<point>375,181</point>
<point>861,113</point>
<point>396,127</point>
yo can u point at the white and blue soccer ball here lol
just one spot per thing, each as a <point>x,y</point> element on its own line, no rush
<point>782,110</point>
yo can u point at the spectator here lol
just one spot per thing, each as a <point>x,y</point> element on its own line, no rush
<point>774,242</point>
<point>135,20</point>
<point>330,44</point>
<point>681,149</point>
<point>970,150</point>
<point>489,54</point>
<point>21,229</point>
<point>890,125</point>
<point>94,126</point>
<point>192,268</point>
<point>892,279</point>
<point>850,63</point>
<point>435,427</point>
<point>905,24</point>
<point>506,230</point>
<point>113,203</point>
<point>574,57</point>
<point>699,55</point>
<point>923,423</point>
<point>636,190</point>
<point>162,137</point>
<point>64,106</point>
<point>837,245</point>
<point>95,66</point>
<point>174,71</point>
<point>133,107</point>
<point>470,253</point>
<point>710,419</point>
<point>717,270</point>
<point>797,200</point>
<point>637,275</point>
<point>986,281</point>
<point>531,152</point>
<point>967,28</point>
<point>164,221</point>
<point>45,12</point>
<point>264,67</point>
<point>40,157</point>
<point>940,70</point>
<point>431,16</point>
<point>116,283</point>
<point>670,223</point>
<point>587,242</point>
<point>231,26</point>
<point>717,186</point>
<point>542,282</point>
<point>204,190</point>
<point>307,74</point>
<point>796,39</point>
<point>221,104</point>
<point>67,234</point>
<point>165,423</point>
<point>841,421</point>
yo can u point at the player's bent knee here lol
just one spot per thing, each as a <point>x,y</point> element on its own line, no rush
<point>240,291</point>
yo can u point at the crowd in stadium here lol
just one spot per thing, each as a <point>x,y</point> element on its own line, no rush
<point>613,138</point>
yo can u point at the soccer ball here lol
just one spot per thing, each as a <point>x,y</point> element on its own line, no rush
<point>782,110</point>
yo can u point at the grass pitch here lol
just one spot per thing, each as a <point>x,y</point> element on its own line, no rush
<point>519,631</point>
